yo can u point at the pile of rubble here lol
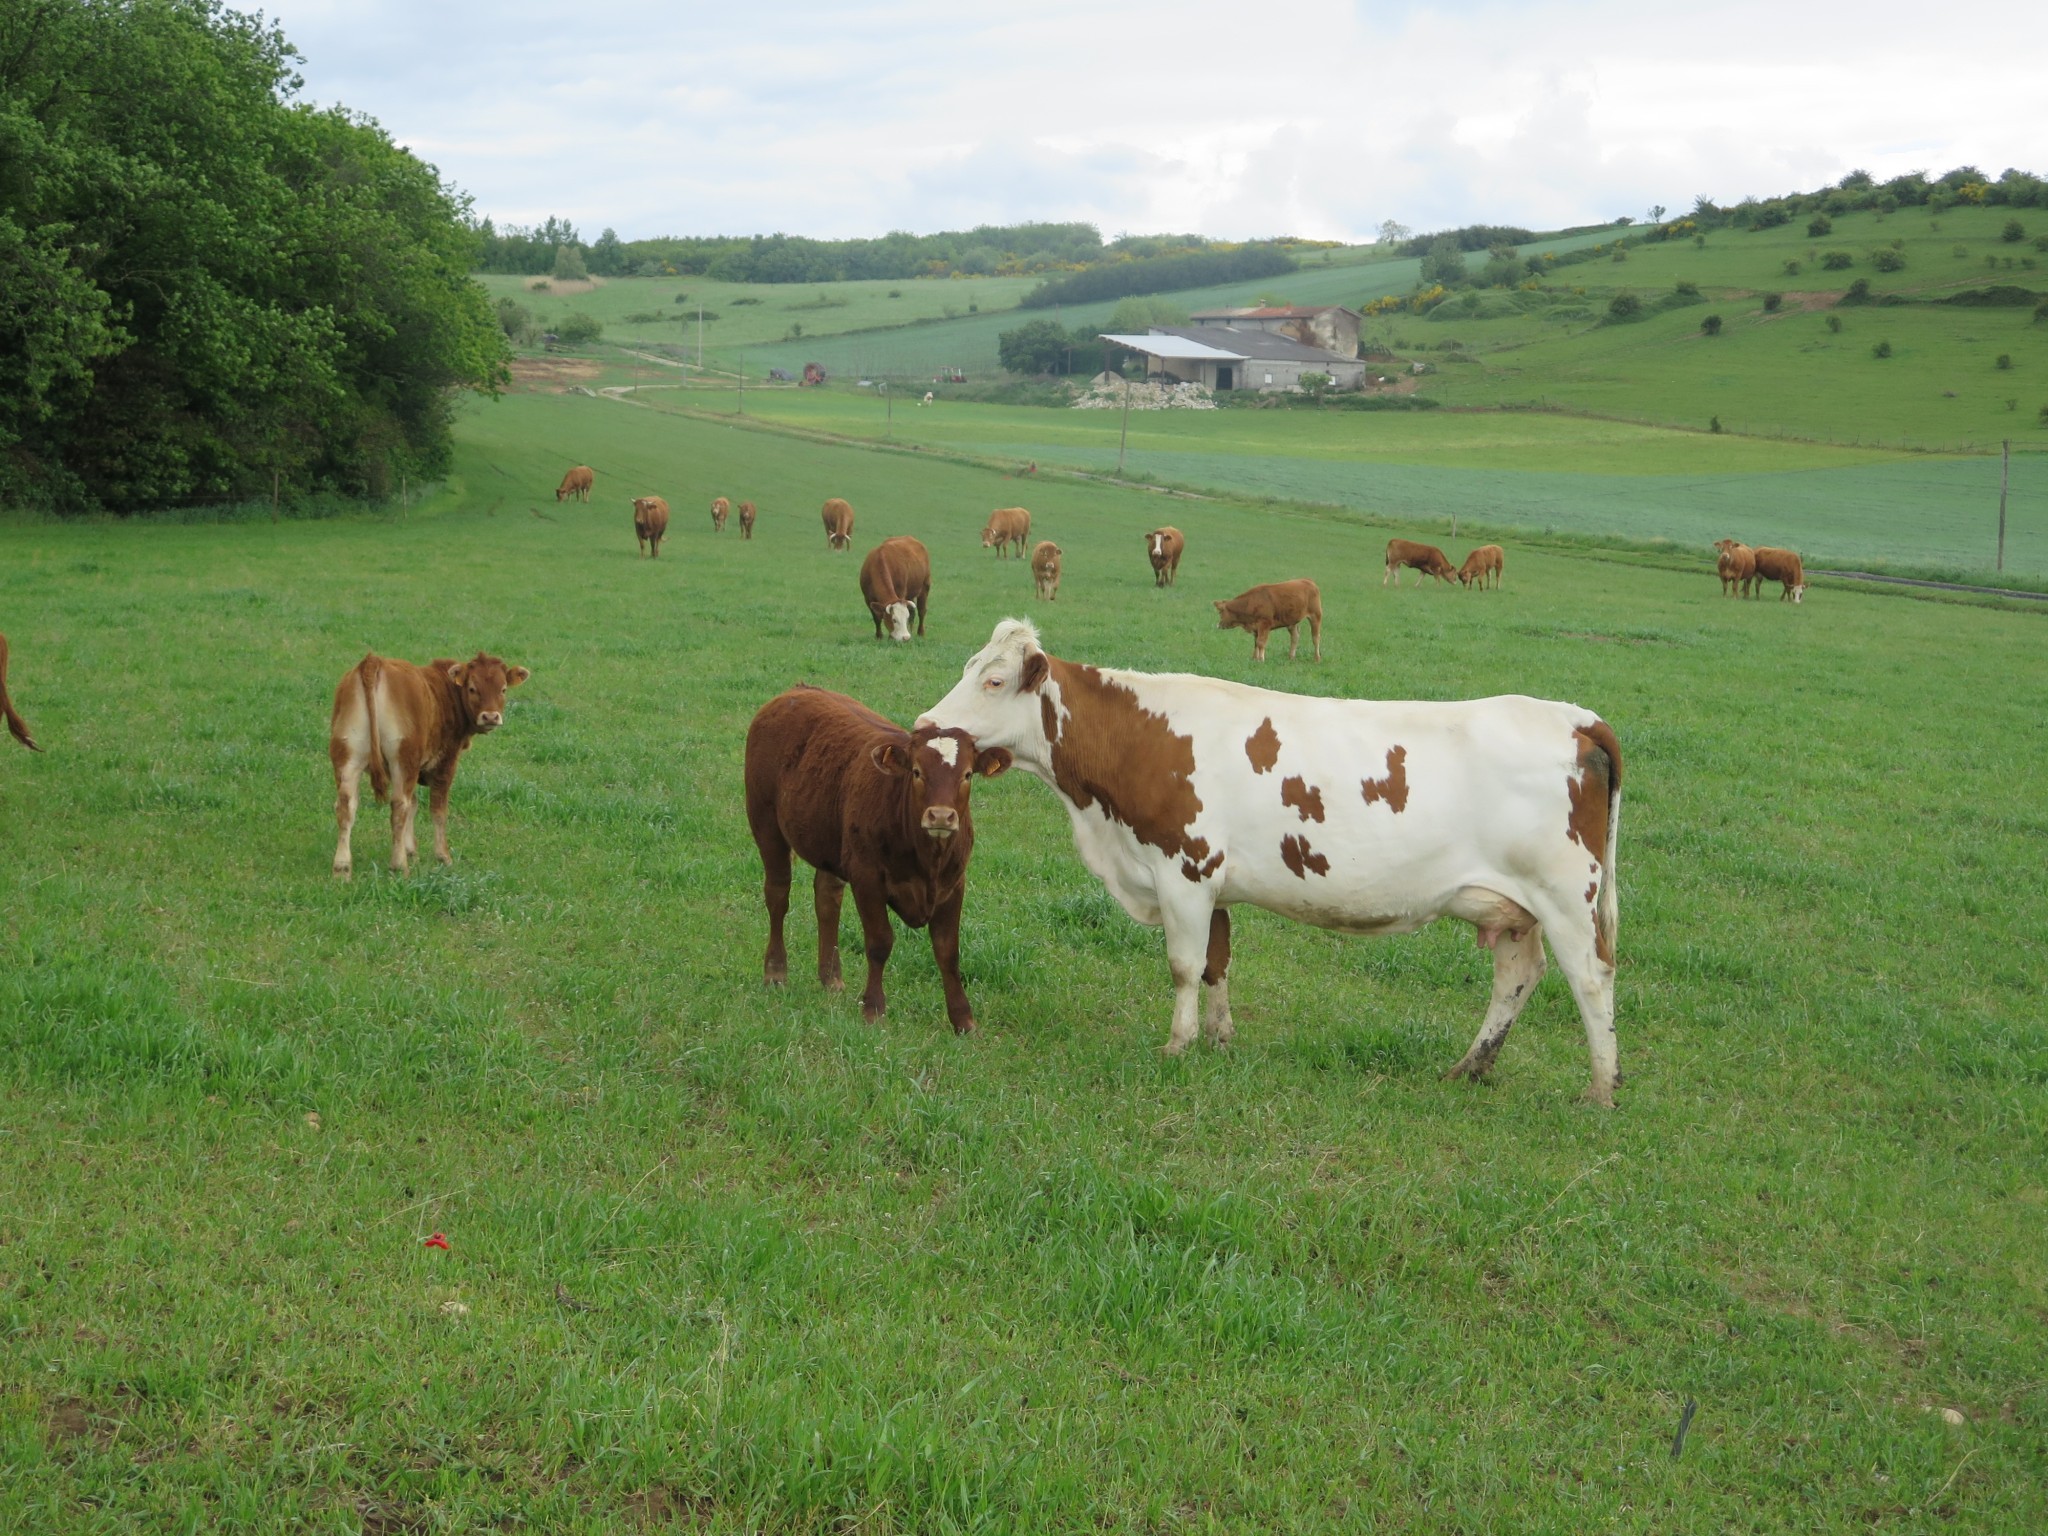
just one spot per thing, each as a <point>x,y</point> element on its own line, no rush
<point>1105,392</point>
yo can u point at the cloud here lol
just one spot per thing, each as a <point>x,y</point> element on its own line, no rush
<point>1313,117</point>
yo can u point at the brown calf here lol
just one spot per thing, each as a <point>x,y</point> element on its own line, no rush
<point>896,581</point>
<point>1736,566</point>
<point>650,524</point>
<point>1276,605</point>
<point>746,519</point>
<point>838,524</point>
<point>1487,560</point>
<point>868,804</point>
<point>576,483</point>
<point>16,726</point>
<point>1045,569</point>
<point>1782,566</point>
<point>1007,526</point>
<point>721,509</point>
<point>1163,548</point>
<point>406,723</point>
<point>1425,558</point>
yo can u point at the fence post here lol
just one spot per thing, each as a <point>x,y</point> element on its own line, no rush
<point>2004,475</point>
<point>1125,437</point>
<point>273,495</point>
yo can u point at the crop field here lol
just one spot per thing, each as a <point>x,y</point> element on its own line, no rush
<point>731,1260</point>
<point>1534,472</point>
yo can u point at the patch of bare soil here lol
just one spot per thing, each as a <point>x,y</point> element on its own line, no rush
<point>551,375</point>
<point>570,285</point>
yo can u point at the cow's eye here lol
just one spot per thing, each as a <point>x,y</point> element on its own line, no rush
<point>993,684</point>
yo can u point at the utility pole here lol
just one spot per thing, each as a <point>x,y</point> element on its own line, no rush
<point>1125,437</point>
<point>2004,476</point>
<point>743,383</point>
<point>700,335</point>
<point>889,409</point>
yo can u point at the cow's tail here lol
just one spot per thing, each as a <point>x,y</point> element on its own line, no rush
<point>1607,916</point>
<point>370,672</point>
<point>16,726</point>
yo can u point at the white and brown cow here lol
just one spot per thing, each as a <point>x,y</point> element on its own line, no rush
<point>1007,526</point>
<point>838,517</point>
<point>576,483</point>
<point>1784,567</point>
<point>1163,547</point>
<point>1189,795</point>
<point>406,723</point>
<point>650,524</point>
<point>896,584</point>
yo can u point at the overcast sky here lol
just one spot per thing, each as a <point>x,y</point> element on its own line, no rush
<point>1307,117</point>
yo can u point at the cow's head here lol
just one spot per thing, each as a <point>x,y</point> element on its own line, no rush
<point>837,540</point>
<point>1155,545</point>
<point>988,536</point>
<point>998,698</point>
<point>1227,617</point>
<point>482,681</point>
<point>940,765</point>
<point>897,616</point>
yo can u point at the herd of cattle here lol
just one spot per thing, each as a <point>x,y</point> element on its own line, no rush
<point>1187,794</point>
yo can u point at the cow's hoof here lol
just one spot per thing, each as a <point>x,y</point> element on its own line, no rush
<point>1175,1047</point>
<point>872,1015</point>
<point>1602,1098</point>
<point>965,1026</point>
<point>832,983</point>
<point>343,871</point>
<point>775,979</point>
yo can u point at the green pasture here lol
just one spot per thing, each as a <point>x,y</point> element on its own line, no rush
<point>728,1260</point>
<point>1531,472</point>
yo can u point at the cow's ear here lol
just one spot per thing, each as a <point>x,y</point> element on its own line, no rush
<point>990,761</point>
<point>1036,669</point>
<point>1221,606</point>
<point>514,676</point>
<point>891,757</point>
<point>458,671</point>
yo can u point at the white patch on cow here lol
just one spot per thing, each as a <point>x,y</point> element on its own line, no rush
<point>948,750</point>
<point>899,620</point>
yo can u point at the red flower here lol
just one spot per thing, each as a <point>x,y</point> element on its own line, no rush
<point>436,1241</point>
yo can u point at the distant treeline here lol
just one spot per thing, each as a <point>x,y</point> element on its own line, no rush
<point>1473,237</point>
<point>1164,274</point>
<point>1858,191</point>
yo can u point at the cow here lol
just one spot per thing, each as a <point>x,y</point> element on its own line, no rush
<point>1007,526</point>
<point>406,723</point>
<point>1275,605</point>
<point>1045,569</point>
<point>927,400</point>
<point>16,726</point>
<point>1190,795</point>
<point>1488,560</point>
<point>1163,546</point>
<point>1427,559</point>
<point>1736,565</point>
<point>896,582</point>
<point>721,509</point>
<point>746,519</point>
<point>868,804</point>
<point>576,483</point>
<point>1782,566</point>
<point>650,524</point>
<point>838,524</point>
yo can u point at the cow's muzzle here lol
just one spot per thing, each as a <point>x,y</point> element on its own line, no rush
<point>941,820</point>
<point>490,720</point>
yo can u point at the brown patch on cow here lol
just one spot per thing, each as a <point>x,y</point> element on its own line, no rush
<point>1125,758</point>
<point>1218,964</point>
<point>1394,787</point>
<point>1296,854</point>
<point>1597,773</point>
<point>1592,891</point>
<point>1200,872</point>
<point>1263,747</point>
<point>1306,799</point>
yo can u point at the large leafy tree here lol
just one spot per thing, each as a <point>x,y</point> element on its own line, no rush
<point>202,282</point>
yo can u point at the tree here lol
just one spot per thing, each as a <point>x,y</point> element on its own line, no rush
<point>1711,325</point>
<point>1317,385</point>
<point>569,264</point>
<point>1392,233</point>
<point>608,257</point>
<point>1656,213</point>
<point>1133,316</point>
<point>202,284</point>
<point>1037,346</point>
<point>1443,263</point>
<point>577,328</point>
<point>1624,306</point>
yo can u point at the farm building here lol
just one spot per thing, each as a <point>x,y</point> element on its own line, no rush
<point>1226,357</point>
<point>1329,326</point>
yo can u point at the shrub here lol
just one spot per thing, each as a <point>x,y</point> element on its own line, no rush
<point>1624,306</point>
<point>1837,261</point>
<point>515,320</point>
<point>895,293</point>
<point>1772,301</point>
<point>1888,260</point>
<point>1882,349</point>
<point>1316,385</point>
<point>2013,233</point>
<point>973,308</point>
<point>577,327</point>
<point>2041,311</point>
<point>2041,242</point>
<point>1960,250</point>
<point>1134,316</point>
<point>2044,415</point>
<point>2004,360</point>
<point>1859,292</point>
<point>1820,225</point>
<point>569,264</point>
<point>681,298</point>
<point>1791,269</point>
<point>1699,242</point>
<point>736,303</point>
<point>1835,323</point>
<point>543,286</point>
<point>1714,424</point>
<point>1620,253</point>
<point>1687,288</point>
<point>1711,325</point>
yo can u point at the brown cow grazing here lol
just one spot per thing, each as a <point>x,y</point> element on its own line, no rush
<point>16,726</point>
<point>721,509</point>
<point>1163,547</point>
<point>1487,560</point>
<point>896,581</point>
<point>1782,566</point>
<point>406,723</point>
<point>746,519</point>
<point>868,804</point>
<point>1425,558</point>
<point>1737,567</point>
<point>838,524</point>
<point>650,524</point>
<point>1007,526</point>
<point>1045,569</point>
<point>576,483</point>
<point>1276,605</point>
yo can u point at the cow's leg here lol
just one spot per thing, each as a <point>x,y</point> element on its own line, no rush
<point>437,802</point>
<point>878,939</point>
<point>1259,634</point>
<point>1517,967</point>
<point>775,893</point>
<point>1186,918</point>
<point>1217,1028</point>
<point>1570,929</point>
<point>1315,629</point>
<point>826,891</point>
<point>348,774</point>
<point>1389,576</point>
<point>923,605</point>
<point>945,926</point>
<point>405,796</point>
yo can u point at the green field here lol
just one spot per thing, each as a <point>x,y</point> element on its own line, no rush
<point>733,1261</point>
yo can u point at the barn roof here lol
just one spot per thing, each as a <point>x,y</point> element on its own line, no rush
<point>1248,344</point>
<point>1274,312</point>
<point>1181,348</point>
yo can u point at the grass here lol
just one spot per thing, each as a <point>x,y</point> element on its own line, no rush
<point>821,1274</point>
